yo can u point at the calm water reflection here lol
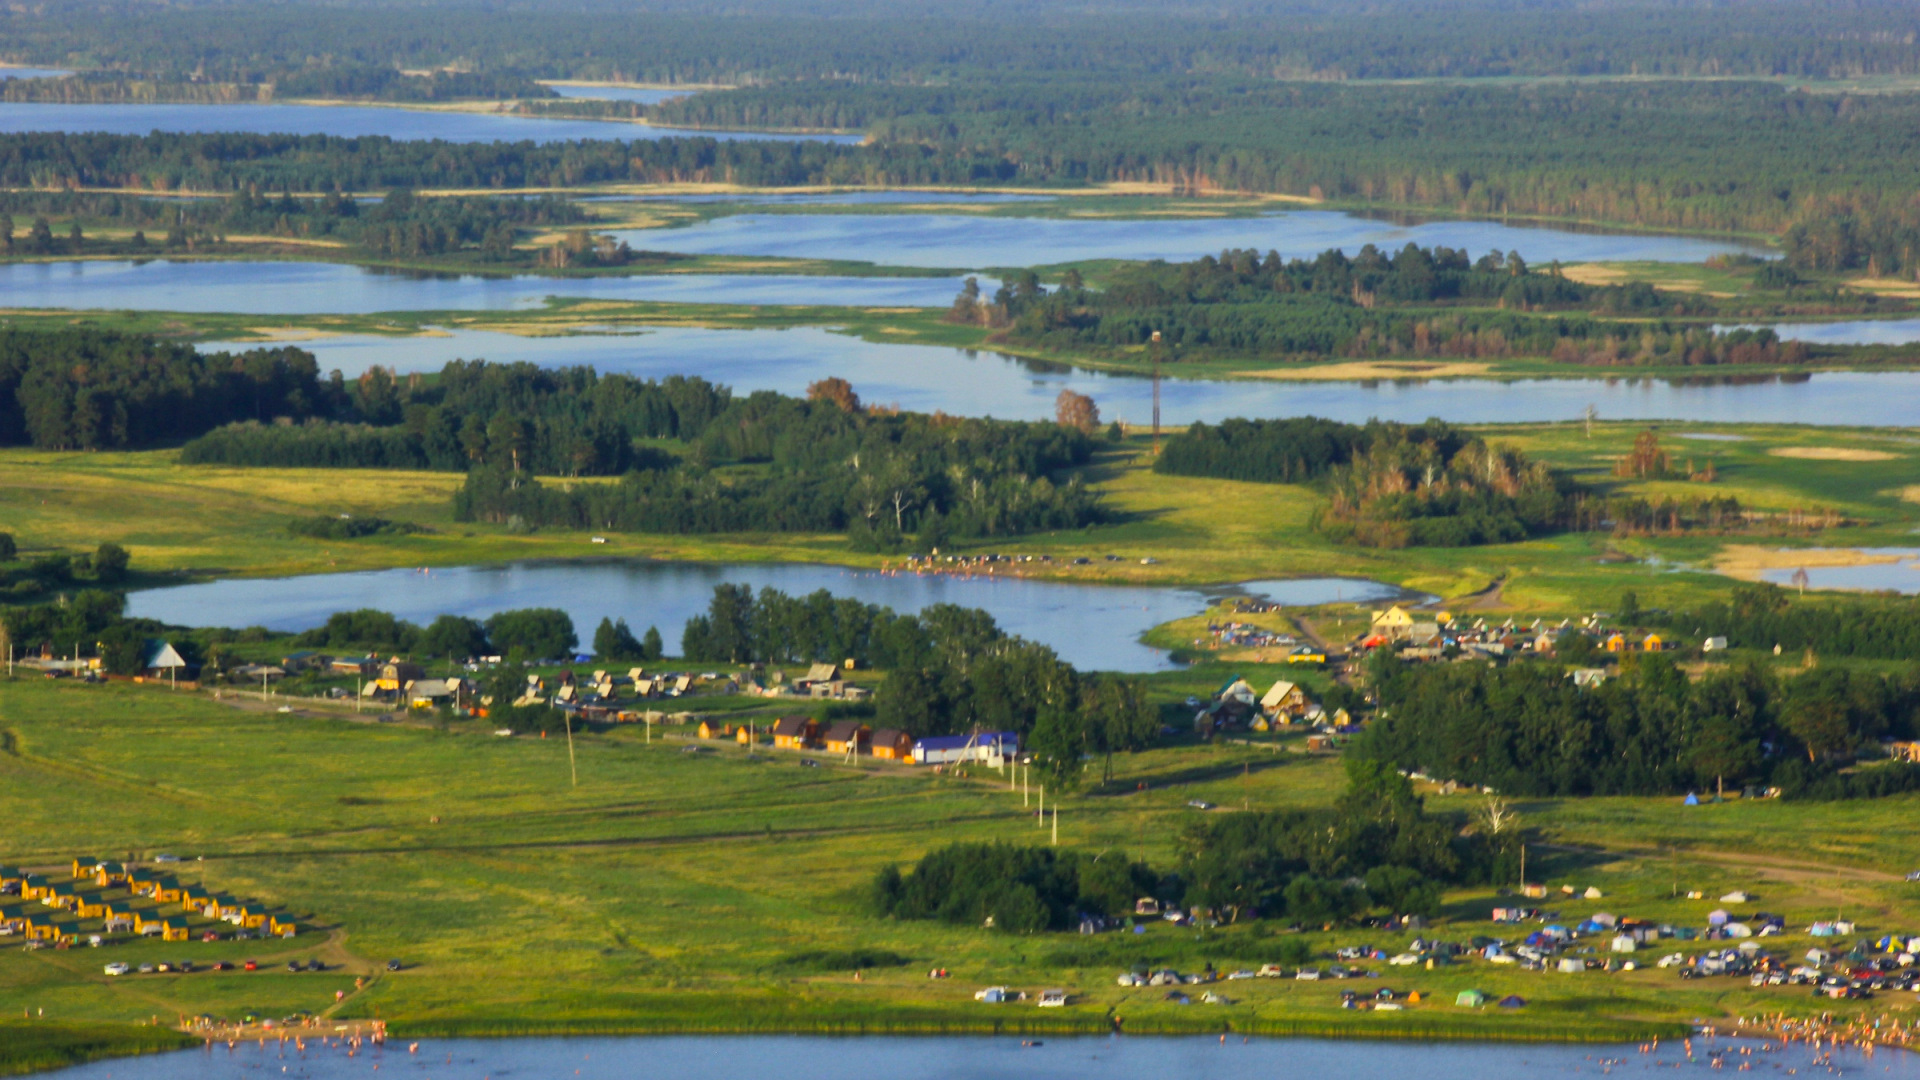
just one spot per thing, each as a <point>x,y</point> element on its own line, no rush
<point>1091,626</point>
<point>301,288</point>
<point>925,378</point>
<point>1900,573</point>
<point>953,240</point>
<point>344,120</point>
<point>986,1058</point>
<point>645,95</point>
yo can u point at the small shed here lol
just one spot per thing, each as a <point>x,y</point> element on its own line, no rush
<point>715,729</point>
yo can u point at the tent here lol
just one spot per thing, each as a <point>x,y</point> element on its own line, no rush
<point>1717,917</point>
<point>1739,929</point>
<point>1471,999</point>
<point>1513,1001</point>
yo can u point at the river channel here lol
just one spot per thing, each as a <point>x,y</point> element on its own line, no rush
<point>347,121</point>
<point>925,378</point>
<point>1094,627</point>
<point>985,1058</point>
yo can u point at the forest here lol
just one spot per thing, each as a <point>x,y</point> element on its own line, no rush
<point>366,82</point>
<point>1526,729</point>
<point>1416,302</point>
<point>1760,615</point>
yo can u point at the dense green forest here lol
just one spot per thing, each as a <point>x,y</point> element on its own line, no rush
<point>1415,302</point>
<point>352,82</point>
<point>1529,730</point>
<point>865,41</point>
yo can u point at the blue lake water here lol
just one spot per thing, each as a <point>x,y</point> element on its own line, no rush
<point>1849,332</point>
<point>836,198</point>
<point>953,240</point>
<point>706,1057</point>
<point>1094,627</point>
<point>32,73</point>
<point>344,120</point>
<point>298,288</point>
<point>645,95</point>
<point>924,378</point>
<point>1899,573</point>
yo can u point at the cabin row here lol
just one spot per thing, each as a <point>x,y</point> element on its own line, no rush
<point>850,737</point>
<point>93,894</point>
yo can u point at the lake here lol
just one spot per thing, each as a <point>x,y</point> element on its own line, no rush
<point>1095,627</point>
<point>1899,573</point>
<point>956,240</point>
<point>33,73</point>
<point>924,378</point>
<point>786,1057</point>
<point>345,120</point>
<point>311,288</point>
<point>645,95</point>
<point>1848,332</point>
<point>838,198</point>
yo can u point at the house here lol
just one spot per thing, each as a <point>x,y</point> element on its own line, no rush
<point>795,732</point>
<point>118,913</point>
<point>9,876</point>
<point>985,746</point>
<point>193,898</point>
<point>1393,624</point>
<point>715,729</point>
<point>90,906</point>
<point>61,895</point>
<point>426,693</point>
<point>1588,676</point>
<point>305,660</point>
<point>280,926</point>
<point>1424,635</point>
<point>48,928</point>
<point>12,920</point>
<point>892,744</point>
<point>148,923</point>
<point>83,866</point>
<point>1284,698</point>
<point>396,673</point>
<point>1714,644</point>
<point>34,887</point>
<point>251,917</point>
<point>166,891</point>
<point>1236,691</point>
<point>352,665</point>
<point>820,673</point>
<point>1652,643</point>
<point>1306,654</point>
<point>174,930</point>
<point>1616,643</point>
<point>847,737</point>
<point>109,873</point>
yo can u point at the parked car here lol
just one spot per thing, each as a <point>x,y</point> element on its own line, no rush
<point>315,965</point>
<point>222,965</point>
<point>146,969</point>
<point>1052,999</point>
<point>393,965</point>
<point>1200,804</point>
<point>251,966</point>
<point>117,968</point>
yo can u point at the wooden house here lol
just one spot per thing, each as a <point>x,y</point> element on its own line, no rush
<point>61,895</point>
<point>34,887</point>
<point>48,928</point>
<point>167,891</point>
<point>848,737</point>
<point>1284,699</point>
<point>10,875</point>
<point>175,930</point>
<point>280,926</point>
<point>395,674</point>
<point>141,882</point>
<point>193,898</point>
<point>795,732</point>
<point>119,915</point>
<point>90,906</point>
<point>109,873</point>
<point>892,744</point>
<point>252,916</point>
<point>1652,644</point>
<point>1393,624</point>
<point>83,866</point>
<point>12,919</point>
<point>148,923</point>
<point>1617,643</point>
<point>715,729</point>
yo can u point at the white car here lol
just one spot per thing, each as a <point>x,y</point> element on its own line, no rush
<point>163,857</point>
<point>117,968</point>
<point>1052,999</point>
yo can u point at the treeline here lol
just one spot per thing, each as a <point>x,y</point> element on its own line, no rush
<point>920,43</point>
<point>402,224</point>
<point>825,464</point>
<point>1369,305</point>
<point>521,634</point>
<point>1762,615</point>
<point>83,389</point>
<point>521,417</point>
<point>104,567</point>
<point>1017,890</point>
<point>364,82</point>
<point>950,670</point>
<point>1528,730</point>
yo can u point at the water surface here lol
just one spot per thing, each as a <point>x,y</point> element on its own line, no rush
<point>33,73</point>
<point>926,378</point>
<point>988,1058</point>
<point>1848,332</point>
<point>645,95</point>
<point>350,121</point>
<point>1094,627</point>
<point>312,288</point>
<point>1901,574</point>
<point>953,240</point>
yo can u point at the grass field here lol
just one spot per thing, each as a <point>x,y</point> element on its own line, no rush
<point>720,892</point>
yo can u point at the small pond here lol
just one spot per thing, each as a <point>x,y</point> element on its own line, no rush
<point>1094,627</point>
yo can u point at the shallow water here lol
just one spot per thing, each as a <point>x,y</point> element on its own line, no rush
<point>953,240</point>
<point>1902,575</point>
<point>645,95</point>
<point>981,1058</point>
<point>1850,332</point>
<point>308,288</point>
<point>32,73</point>
<point>926,378</point>
<point>346,121</point>
<point>835,198</point>
<point>1095,627</point>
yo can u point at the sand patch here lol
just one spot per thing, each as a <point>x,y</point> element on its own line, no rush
<point>1830,453</point>
<point>1748,561</point>
<point>289,333</point>
<point>1886,286</point>
<point>1376,369</point>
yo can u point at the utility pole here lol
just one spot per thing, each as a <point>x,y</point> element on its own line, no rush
<point>1056,823</point>
<point>1043,804</point>
<point>568,717</point>
<point>1156,392</point>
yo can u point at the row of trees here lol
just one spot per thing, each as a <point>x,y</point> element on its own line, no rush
<point>523,634</point>
<point>1528,730</point>
<point>1762,615</point>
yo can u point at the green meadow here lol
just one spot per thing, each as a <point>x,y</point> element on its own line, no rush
<point>723,891</point>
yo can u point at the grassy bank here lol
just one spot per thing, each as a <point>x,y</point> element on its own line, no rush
<point>27,1046</point>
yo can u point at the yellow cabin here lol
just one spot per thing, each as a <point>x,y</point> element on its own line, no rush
<point>252,917</point>
<point>280,927</point>
<point>83,867</point>
<point>168,891</point>
<point>1652,644</point>
<point>90,906</point>
<point>715,729</point>
<point>43,928</point>
<point>1617,643</point>
<point>175,930</point>
<point>34,887</point>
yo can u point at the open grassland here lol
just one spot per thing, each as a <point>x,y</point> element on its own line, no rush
<point>34,1046</point>
<point>202,521</point>
<point>723,892</point>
